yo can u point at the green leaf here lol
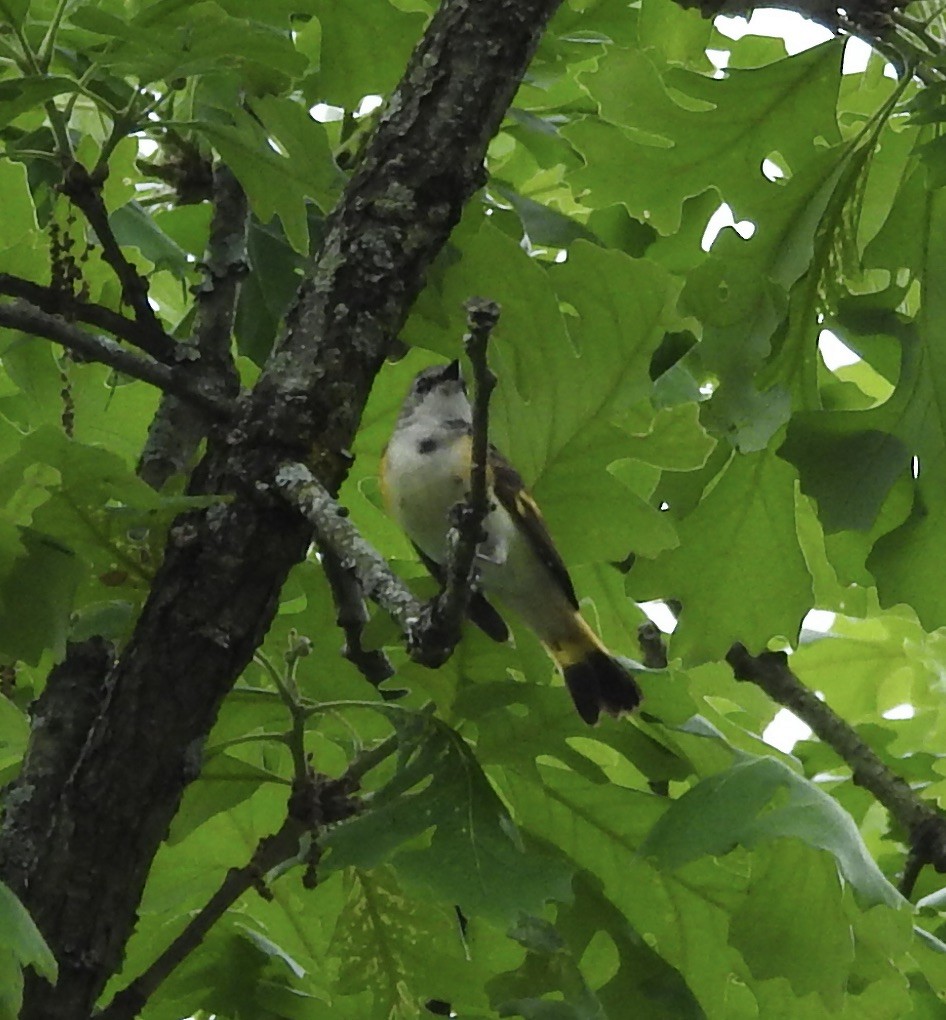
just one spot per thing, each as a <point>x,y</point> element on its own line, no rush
<point>90,500</point>
<point>474,858</point>
<point>17,215</point>
<point>277,184</point>
<point>22,944</point>
<point>761,798</point>
<point>740,541</point>
<point>849,473</point>
<point>37,590</point>
<point>905,560</point>
<point>135,227</point>
<point>173,40</point>
<point>542,224</point>
<point>601,828</point>
<point>224,781</point>
<point>13,12</point>
<point>814,957</point>
<point>730,124</point>
<point>353,65</point>
<point>403,951</point>
<point>597,962</point>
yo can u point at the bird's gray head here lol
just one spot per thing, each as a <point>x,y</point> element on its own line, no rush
<point>437,393</point>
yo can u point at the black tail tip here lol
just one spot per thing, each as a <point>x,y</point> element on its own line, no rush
<point>599,683</point>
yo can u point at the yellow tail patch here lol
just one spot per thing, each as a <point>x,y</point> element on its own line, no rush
<point>575,646</point>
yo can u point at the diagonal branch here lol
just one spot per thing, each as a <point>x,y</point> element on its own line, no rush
<point>330,520</point>
<point>22,315</point>
<point>85,192</point>
<point>925,825</point>
<point>164,349</point>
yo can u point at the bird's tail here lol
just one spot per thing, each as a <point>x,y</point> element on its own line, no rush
<point>596,680</point>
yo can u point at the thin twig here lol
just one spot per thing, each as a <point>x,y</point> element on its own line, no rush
<point>300,487</point>
<point>22,315</point>
<point>85,192</point>
<point>295,738</point>
<point>449,609</point>
<point>926,827</point>
<point>352,617</point>
<point>370,758</point>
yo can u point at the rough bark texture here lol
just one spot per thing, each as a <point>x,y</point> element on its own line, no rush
<point>179,426</point>
<point>78,850</point>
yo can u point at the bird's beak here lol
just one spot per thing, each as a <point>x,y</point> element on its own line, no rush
<point>452,371</point>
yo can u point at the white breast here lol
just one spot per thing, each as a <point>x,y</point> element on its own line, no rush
<point>421,487</point>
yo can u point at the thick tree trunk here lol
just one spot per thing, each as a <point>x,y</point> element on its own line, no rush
<point>86,816</point>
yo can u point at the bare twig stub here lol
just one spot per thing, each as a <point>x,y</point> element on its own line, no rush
<point>925,826</point>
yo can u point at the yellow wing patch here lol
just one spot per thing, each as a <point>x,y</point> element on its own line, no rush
<point>511,492</point>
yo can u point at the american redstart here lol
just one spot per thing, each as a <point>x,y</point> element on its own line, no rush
<point>425,470</point>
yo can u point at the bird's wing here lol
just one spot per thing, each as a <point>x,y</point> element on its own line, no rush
<point>512,494</point>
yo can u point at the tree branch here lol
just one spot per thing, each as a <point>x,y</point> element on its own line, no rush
<point>85,192</point>
<point>352,616</point>
<point>302,490</point>
<point>20,314</point>
<point>926,826</point>
<point>179,426</point>
<point>168,351</point>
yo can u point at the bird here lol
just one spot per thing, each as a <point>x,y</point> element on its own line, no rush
<point>425,471</point>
